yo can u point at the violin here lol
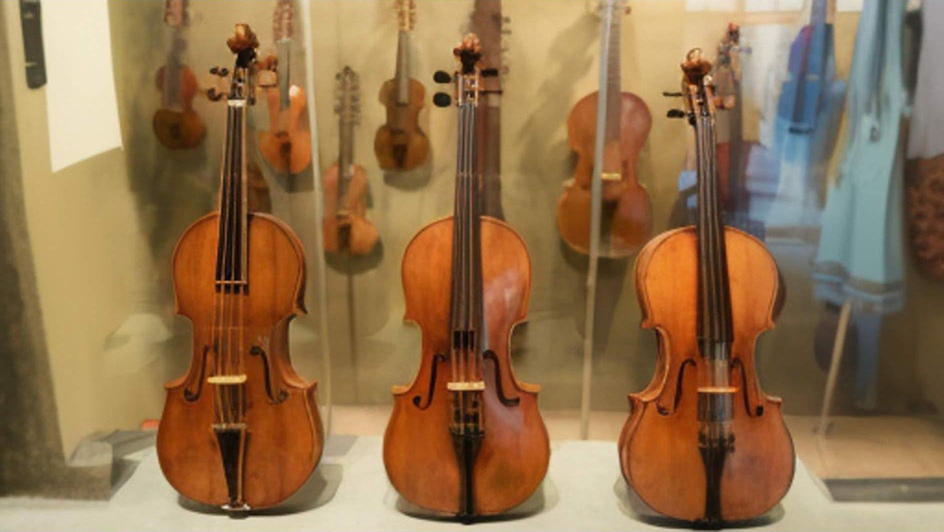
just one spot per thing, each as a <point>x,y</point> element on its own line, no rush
<point>286,146</point>
<point>345,225</point>
<point>703,443</point>
<point>176,124</point>
<point>400,144</point>
<point>241,428</point>
<point>465,438</point>
<point>626,221</point>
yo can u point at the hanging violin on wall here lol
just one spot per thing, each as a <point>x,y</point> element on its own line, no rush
<point>176,124</point>
<point>703,443</point>
<point>287,144</point>
<point>240,429</point>
<point>626,221</point>
<point>400,144</point>
<point>345,227</point>
<point>466,438</point>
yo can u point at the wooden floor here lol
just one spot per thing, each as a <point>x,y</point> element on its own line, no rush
<point>853,447</point>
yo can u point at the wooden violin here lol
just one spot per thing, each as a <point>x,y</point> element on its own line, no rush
<point>466,438</point>
<point>345,226</point>
<point>626,221</point>
<point>240,429</point>
<point>400,144</point>
<point>287,144</point>
<point>176,124</point>
<point>703,443</point>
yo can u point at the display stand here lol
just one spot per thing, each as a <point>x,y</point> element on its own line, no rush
<point>839,346</point>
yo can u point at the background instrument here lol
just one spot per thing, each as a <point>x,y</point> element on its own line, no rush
<point>176,124</point>
<point>400,144</point>
<point>345,225</point>
<point>489,25</point>
<point>240,429</point>
<point>627,210</point>
<point>287,144</point>
<point>703,442</point>
<point>466,438</point>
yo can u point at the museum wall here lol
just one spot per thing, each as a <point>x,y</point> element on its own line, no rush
<point>102,231</point>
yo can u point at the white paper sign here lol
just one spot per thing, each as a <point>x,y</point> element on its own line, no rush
<point>81,106</point>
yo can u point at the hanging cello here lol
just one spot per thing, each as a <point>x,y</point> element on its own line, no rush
<point>465,438</point>
<point>703,443</point>
<point>626,221</point>
<point>240,429</point>
<point>176,124</point>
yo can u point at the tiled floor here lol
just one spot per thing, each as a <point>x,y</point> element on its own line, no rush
<point>854,447</point>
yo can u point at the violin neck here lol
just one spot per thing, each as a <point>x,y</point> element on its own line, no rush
<point>613,74</point>
<point>822,12</point>
<point>231,263</point>
<point>171,96</point>
<point>345,157</point>
<point>402,74</point>
<point>467,300</point>
<point>714,298</point>
<point>284,54</point>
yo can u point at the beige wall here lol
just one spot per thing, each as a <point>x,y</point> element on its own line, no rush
<point>103,230</point>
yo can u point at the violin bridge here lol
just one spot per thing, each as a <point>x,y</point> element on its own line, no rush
<point>476,386</point>
<point>611,176</point>
<point>227,380</point>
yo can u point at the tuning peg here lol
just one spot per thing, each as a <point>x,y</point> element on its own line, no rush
<point>441,76</point>
<point>214,95</point>
<point>672,94</point>
<point>441,99</point>
<point>219,71</point>
<point>675,113</point>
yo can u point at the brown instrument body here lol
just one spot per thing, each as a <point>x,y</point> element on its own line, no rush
<point>346,227</point>
<point>285,436</point>
<point>515,452</point>
<point>659,444</point>
<point>179,128</point>
<point>400,144</point>
<point>287,143</point>
<point>627,209</point>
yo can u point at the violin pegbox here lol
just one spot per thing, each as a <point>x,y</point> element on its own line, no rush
<point>348,102</point>
<point>406,14</point>
<point>175,13</point>
<point>283,20</point>
<point>238,84</point>
<point>599,7</point>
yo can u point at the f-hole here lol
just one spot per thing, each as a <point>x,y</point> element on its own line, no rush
<point>418,399</point>
<point>507,401</point>
<point>191,396</point>
<point>751,411</point>
<point>664,410</point>
<point>283,395</point>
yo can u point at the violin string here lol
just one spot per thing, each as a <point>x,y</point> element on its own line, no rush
<point>242,220</point>
<point>477,244</point>
<point>456,265</point>
<point>227,260</point>
<point>218,296</point>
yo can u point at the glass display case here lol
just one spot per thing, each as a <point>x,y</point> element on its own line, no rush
<point>827,155</point>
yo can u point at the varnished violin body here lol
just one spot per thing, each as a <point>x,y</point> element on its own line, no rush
<point>516,445</point>
<point>626,205</point>
<point>285,432</point>
<point>658,445</point>
<point>345,226</point>
<point>400,144</point>
<point>179,128</point>
<point>240,429</point>
<point>465,437</point>
<point>286,146</point>
<point>703,443</point>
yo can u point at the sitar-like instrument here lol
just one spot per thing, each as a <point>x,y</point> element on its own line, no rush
<point>240,429</point>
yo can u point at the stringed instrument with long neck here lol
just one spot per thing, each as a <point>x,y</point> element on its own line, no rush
<point>489,25</point>
<point>400,144</point>
<point>345,226</point>
<point>626,218</point>
<point>176,124</point>
<point>241,429</point>
<point>286,146</point>
<point>703,443</point>
<point>465,438</point>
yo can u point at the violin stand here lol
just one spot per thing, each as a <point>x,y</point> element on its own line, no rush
<point>839,345</point>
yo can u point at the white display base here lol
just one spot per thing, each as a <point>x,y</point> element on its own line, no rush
<point>583,492</point>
